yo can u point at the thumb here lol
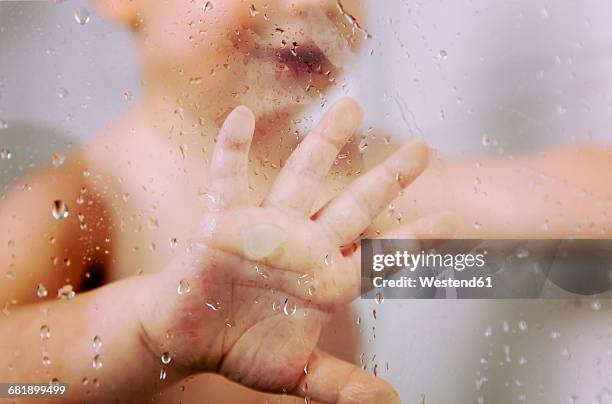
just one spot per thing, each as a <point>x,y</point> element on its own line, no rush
<point>328,379</point>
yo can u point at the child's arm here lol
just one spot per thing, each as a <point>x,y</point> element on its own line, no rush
<point>43,338</point>
<point>558,193</point>
<point>55,341</point>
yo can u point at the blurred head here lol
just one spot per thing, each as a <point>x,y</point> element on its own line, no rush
<point>261,53</point>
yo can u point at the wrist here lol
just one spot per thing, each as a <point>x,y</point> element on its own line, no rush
<point>171,327</point>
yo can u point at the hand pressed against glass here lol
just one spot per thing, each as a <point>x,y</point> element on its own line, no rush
<point>259,282</point>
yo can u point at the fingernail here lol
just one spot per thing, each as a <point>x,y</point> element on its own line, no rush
<point>344,119</point>
<point>240,124</point>
<point>410,161</point>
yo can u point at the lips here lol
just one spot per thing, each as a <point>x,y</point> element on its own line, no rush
<point>305,58</point>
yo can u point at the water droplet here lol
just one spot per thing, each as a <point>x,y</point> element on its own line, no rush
<point>5,154</point>
<point>363,145</point>
<point>477,225</point>
<point>596,305</point>
<point>379,298</point>
<point>183,287</point>
<point>522,360</point>
<point>97,362</point>
<point>486,140</point>
<point>522,252</point>
<point>289,308</point>
<point>173,243</point>
<point>57,160</point>
<point>45,332</point>
<point>522,325</point>
<point>66,292</point>
<point>46,360</point>
<point>213,307</point>
<point>565,353</point>
<point>3,125</point>
<point>152,223</point>
<point>41,291</point>
<point>555,335</point>
<point>561,110</point>
<point>442,54</point>
<point>488,332</point>
<point>329,260</point>
<point>162,374</point>
<point>544,13</point>
<point>253,10</point>
<point>507,353</point>
<point>262,272</point>
<point>86,173</point>
<point>208,5</point>
<point>82,15</point>
<point>304,279</point>
<point>59,210</point>
<point>166,358</point>
<point>62,92</point>
<point>97,343</point>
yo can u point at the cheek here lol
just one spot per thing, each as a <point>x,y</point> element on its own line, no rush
<point>191,32</point>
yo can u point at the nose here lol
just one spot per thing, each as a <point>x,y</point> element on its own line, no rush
<point>348,16</point>
<point>353,8</point>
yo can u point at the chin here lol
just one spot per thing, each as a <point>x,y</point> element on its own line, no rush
<point>272,93</point>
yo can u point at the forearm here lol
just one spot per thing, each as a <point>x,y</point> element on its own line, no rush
<point>117,365</point>
<point>560,193</point>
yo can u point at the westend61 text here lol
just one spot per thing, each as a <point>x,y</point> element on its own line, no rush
<point>433,282</point>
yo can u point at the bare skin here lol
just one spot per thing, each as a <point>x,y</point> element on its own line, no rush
<point>154,178</point>
<point>129,312</point>
<point>218,306</point>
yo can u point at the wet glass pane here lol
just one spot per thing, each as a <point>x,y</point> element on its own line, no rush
<point>185,187</point>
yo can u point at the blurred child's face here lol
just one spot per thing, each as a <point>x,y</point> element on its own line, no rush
<point>255,52</point>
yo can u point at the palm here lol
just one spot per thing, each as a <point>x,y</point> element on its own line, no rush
<point>271,313</point>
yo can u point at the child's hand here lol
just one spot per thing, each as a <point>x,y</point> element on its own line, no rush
<point>250,297</point>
